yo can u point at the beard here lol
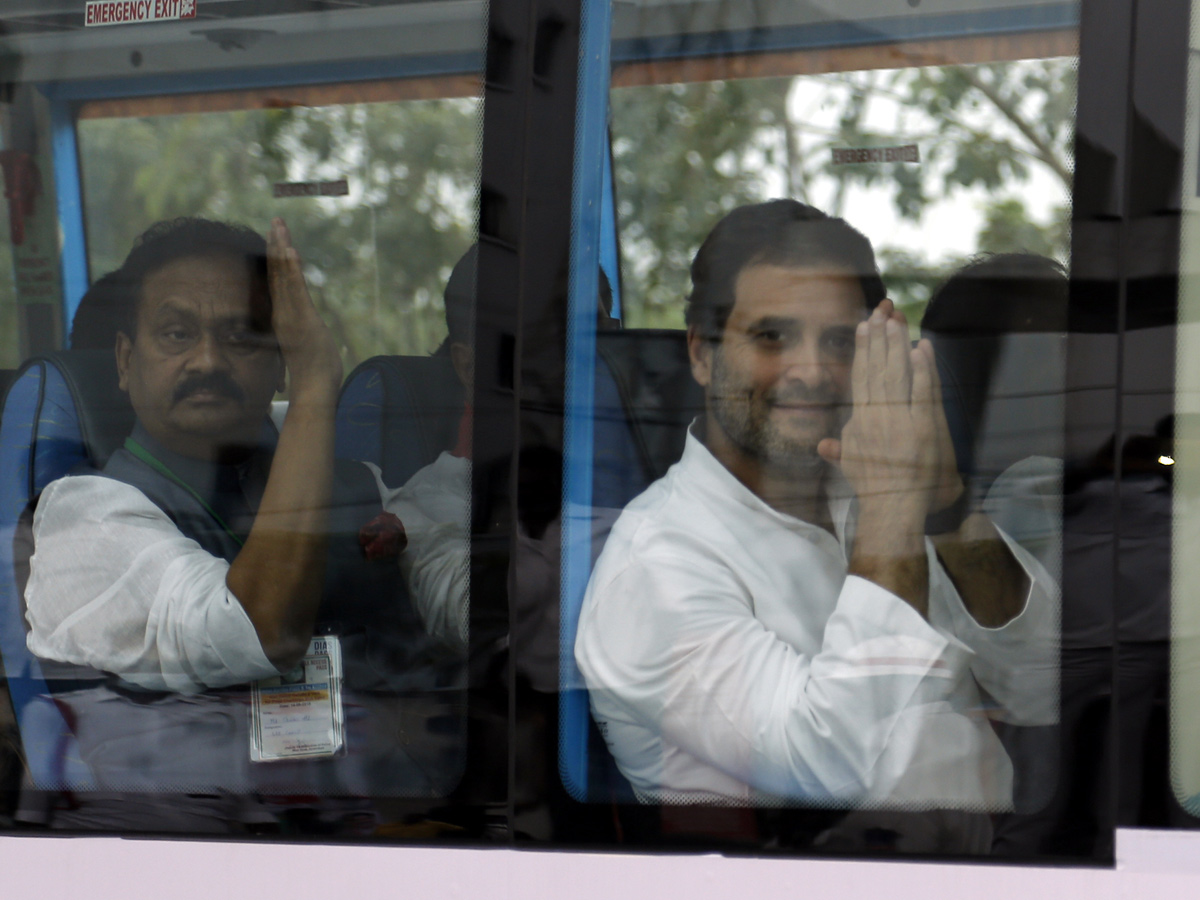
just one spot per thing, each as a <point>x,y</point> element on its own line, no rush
<point>744,415</point>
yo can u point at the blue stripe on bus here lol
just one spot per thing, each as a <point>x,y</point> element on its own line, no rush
<point>822,35</point>
<point>591,149</point>
<point>69,194</point>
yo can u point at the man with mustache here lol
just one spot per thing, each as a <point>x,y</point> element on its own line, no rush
<point>799,612</point>
<point>212,549</point>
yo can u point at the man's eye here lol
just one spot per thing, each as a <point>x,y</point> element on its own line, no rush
<point>176,335</point>
<point>244,339</point>
<point>769,336</point>
<point>840,343</point>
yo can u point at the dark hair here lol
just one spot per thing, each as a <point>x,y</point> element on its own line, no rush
<point>188,237</point>
<point>967,320</point>
<point>459,300</point>
<point>999,293</point>
<point>99,315</point>
<point>778,232</point>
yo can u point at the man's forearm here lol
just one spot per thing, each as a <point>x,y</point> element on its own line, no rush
<point>990,581</point>
<point>889,549</point>
<point>278,575</point>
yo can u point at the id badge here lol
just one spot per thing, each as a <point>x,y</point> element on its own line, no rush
<point>299,715</point>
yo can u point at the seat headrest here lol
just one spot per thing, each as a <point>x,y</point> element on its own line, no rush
<point>105,416</point>
<point>399,412</point>
<point>654,376</point>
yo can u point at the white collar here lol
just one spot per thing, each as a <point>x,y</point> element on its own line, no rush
<point>709,475</point>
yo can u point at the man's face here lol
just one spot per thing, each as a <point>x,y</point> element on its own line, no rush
<point>779,380</point>
<point>199,375</point>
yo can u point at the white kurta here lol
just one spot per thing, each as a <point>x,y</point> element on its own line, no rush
<point>116,586</point>
<point>729,656</point>
<point>435,507</point>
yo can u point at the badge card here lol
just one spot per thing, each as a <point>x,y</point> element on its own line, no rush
<point>299,715</point>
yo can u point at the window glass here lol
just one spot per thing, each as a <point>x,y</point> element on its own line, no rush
<point>742,632</point>
<point>1175,448</point>
<point>992,174</point>
<point>234,525</point>
<point>398,174</point>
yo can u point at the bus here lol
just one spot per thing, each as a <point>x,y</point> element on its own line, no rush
<point>506,215</point>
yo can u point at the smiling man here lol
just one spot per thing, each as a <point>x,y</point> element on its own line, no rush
<point>770,622</point>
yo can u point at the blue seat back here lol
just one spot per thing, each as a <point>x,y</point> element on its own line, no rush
<point>61,410</point>
<point>399,412</point>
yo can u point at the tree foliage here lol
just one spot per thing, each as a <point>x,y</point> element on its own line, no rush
<point>377,260</point>
<point>685,154</point>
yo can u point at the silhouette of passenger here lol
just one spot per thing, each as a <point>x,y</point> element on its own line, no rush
<point>98,316</point>
<point>213,562</point>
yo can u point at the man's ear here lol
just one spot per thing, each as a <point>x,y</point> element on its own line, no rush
<point>700,352</point>
<point>124,348</point>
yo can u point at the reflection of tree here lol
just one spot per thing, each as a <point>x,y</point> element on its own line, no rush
<point>684,154</point>
<point>377,259</point>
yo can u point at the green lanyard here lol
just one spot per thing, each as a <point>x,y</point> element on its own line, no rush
<point>159,466</point>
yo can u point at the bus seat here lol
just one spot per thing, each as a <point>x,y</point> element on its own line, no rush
<point>61,410</point>
<point>399,412</point>
<point>644,400</point>
<point>642,412</point>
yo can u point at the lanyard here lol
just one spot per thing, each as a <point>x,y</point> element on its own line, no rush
<point>159,466</point>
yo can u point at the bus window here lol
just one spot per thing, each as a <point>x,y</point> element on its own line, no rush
<point>246,287</point>
<point>682,425</point>
<point>811,231</point>
<point>1171,460</point>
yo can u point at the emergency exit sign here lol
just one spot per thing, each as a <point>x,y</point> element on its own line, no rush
<point>126,12</point>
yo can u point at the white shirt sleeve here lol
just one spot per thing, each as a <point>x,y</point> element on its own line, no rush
<point>673,642</point>
<point>1017,664</point>
<point>114,585</point>
<point>434,506</point>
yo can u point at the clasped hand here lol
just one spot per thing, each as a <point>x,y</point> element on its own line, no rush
<point>895,450</point>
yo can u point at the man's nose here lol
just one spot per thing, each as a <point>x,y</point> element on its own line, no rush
<point>802,361</point>
<point>208,354</point>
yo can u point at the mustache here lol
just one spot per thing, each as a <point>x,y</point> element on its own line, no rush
<point>800,393</point>
<point>215,382</point>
